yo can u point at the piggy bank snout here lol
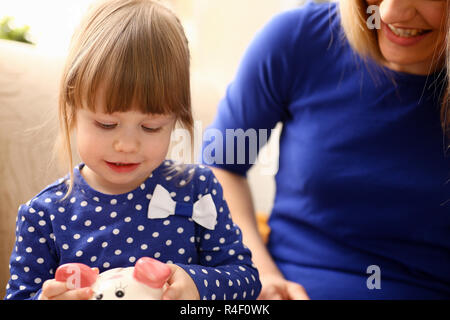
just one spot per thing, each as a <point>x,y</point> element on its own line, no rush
<point>144,281</point>
<point>124,287</point>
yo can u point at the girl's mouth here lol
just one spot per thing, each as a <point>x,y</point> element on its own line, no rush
<point>122,167</point>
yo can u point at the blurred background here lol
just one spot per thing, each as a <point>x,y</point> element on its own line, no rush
<point>218,30</point>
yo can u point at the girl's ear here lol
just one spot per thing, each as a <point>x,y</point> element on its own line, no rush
<point>151,272</point>
<point>76,275</point>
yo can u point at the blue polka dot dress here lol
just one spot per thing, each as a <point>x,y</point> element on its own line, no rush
<point>110,231</point>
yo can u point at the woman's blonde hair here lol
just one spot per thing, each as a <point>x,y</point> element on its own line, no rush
<point>353,16</point>
<point>137,52</point>
<point>445,117</point>
<point>364,41</point>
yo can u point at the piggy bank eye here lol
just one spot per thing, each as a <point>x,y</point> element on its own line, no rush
<point>120,293</point>
<point>99,296</point>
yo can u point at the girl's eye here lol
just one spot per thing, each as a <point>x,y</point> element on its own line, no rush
<point>105,125</point>
<point>151,130</point>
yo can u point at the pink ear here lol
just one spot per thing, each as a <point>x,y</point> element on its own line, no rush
<point>151,272</point>
<point>77,275</point>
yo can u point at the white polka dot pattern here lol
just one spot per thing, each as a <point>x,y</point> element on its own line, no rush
<point>109,231</point>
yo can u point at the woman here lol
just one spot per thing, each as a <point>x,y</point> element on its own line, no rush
<point>445,118</point>
<point>361,208</point>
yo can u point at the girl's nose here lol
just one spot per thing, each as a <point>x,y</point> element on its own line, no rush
<point>397,11</point>
<point>126,143</point>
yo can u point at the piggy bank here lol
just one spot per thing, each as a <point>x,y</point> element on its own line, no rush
<point>145,281</point>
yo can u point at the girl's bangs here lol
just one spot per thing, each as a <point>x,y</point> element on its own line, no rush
<point>134,69</point>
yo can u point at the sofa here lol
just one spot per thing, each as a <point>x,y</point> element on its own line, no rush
<point>28,97</point>
<point>29,80</point>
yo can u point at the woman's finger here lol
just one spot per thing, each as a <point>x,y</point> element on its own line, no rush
<point>295,291</point>
<point>270,296</point>
<point>271,292</point>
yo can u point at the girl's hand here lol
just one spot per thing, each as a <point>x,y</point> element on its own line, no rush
<point>57,290</point>
<point>275,287</point>
<point>180,285</point>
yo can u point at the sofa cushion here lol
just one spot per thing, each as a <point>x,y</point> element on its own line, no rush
<point>29,83</point>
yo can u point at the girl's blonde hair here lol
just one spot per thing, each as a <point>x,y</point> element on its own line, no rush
<point>135,50</point>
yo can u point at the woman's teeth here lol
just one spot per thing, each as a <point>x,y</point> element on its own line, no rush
<point>407,33</point>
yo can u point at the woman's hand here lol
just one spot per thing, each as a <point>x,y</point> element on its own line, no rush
<point>180,285</point>
<point>275,287</point>
<point>57,290</point>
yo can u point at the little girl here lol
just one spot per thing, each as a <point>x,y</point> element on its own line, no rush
<point>125,85</point>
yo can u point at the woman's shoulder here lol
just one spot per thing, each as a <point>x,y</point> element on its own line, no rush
<point>294,36</point>
<point>308,19</point>
<point>311,11</point>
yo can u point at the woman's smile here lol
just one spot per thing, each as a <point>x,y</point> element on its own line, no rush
<point>412,34</point>
<point>402,36</point>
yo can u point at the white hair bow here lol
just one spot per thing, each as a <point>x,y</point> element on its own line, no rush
<point>202,211</point>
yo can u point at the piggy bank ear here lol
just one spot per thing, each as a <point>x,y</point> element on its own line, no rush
<point>151,272</point>
<point>76,275</point>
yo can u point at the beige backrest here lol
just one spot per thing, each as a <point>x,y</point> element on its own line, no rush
<point>28,101</point>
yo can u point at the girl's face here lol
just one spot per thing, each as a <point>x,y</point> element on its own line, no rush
<point>120,150</point>
<point>412,34</point>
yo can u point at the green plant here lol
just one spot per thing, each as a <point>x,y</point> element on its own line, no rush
<point>10,32</point>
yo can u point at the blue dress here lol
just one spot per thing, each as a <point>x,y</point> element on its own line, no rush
<point>362,204</point>
<point>110,231</point>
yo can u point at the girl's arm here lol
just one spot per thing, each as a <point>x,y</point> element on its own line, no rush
<point>33,259</point>
<point>238,196</point>
<point>224,268</point>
